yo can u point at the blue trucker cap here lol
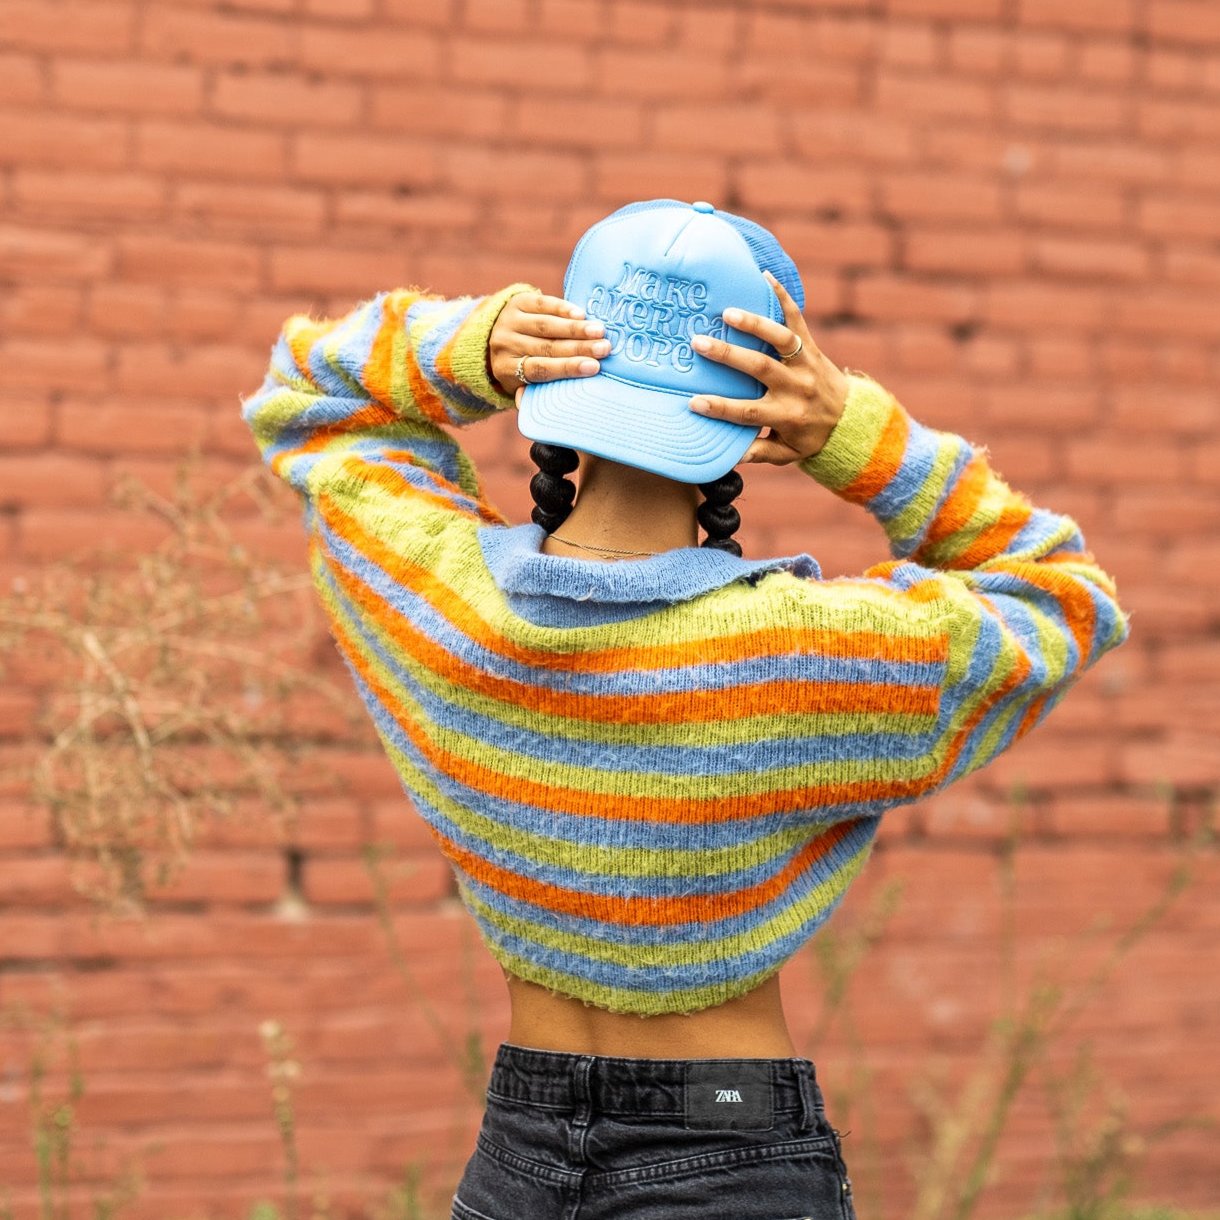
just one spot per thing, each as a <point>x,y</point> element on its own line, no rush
<point>656,274</point>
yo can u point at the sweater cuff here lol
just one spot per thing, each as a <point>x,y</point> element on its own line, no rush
<point>855,443</point>
<point>469,358</point>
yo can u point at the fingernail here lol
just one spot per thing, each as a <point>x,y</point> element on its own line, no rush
<point>770,277</point>
<point>589,367</point>
<point>593,329</point>
<point>602,347</point>
<point>700,343</point>
<point>698,404</point>
<point>732,316</point>
<point>576,311</point>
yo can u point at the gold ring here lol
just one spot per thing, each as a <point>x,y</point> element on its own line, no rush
<point>520,373</point>
<point>800,347</point>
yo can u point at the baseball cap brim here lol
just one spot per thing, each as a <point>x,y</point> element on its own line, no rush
<point>633,424</point>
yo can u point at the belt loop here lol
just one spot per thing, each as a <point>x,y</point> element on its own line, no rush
<point>582,1107</point>
<point>809,1105</point>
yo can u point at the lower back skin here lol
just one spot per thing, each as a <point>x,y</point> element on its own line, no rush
<point>751,1026</point>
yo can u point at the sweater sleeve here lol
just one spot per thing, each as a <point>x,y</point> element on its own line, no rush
<point>368,397</point>
<point>1015,602</point>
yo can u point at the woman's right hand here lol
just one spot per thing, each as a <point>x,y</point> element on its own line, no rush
<point>553,336</point>
<point>805,392</point>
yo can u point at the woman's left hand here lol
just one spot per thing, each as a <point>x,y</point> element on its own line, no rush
<point>544,338</point>
<point>805,394</point>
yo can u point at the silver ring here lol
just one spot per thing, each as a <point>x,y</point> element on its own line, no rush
<point>800,347</point>
<point>520,373</point>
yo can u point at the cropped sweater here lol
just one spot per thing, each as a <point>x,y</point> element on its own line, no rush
<point>655,779</point>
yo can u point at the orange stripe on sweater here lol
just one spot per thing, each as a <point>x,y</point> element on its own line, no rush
<point>677,707</point>
<point>446,601</point>
<point>883,463</point>
<point>661,911</point>
<point>959,507</point>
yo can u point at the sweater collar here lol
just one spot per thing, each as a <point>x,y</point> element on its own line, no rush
<point>543,587</point>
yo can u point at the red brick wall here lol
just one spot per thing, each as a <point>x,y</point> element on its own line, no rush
<point>1007,210</point>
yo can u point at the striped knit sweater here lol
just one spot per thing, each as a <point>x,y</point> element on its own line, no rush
<point>655,779</point>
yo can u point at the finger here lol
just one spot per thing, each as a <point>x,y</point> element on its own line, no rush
<point>517,393</point>
<point>561,349</point>
<point>767,329</point>
<point>539,302</point>
<point>538,368</point>
<point>773,452</point>
<point>757,364</point>
<point>792,311</point>
<point>752,412</point>
<point>549,326</point>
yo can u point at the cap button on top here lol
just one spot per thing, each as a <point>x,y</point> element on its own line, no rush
<point>703,206</point>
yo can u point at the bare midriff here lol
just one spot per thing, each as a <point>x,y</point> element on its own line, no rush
<point>751,1026</point>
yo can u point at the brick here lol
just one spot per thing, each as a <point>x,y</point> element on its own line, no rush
<point>56,139</point>
<point>79,363</point>
<point>549,66</point>
<point>1172,69</point>
<point>893,298</point>
<point>978,50</point>
<point>1112,461</point>
<point>372,53</point>
<point>1164,311</point>
<point>42,309</point>
<point>1178,216</point>
<point>51,254</point>
<point>1117,16</point>
<point>602,123</point>
<point>25,424</point>
<point>1070,206</point>
<point>1065,109</point>
<point>985,10</point>
<point>1079,258</point>
<point>667,74</point>
<point>1181,757</point>
<point>964,251</point>
<point>341,10</point>
<point>497,16</point>
<point>932,196</point>
<point>1051,406</point>
<point>323,268</point>
<point>709,32</point>
<point>21,80</point>
<point>1193,265</point>
<point>416,880</point>
<point>201,36</point>
<point>430,110</point>
<point>1164,119</point>
<point>934,96</point>
<point>367,209</point>
<point>784,185</point>
<point>625,22</point>
<point>1030,304</point>
<point>1187,21</point>
<point>277,211</point>
<point>364,159</point>
<point>1166,512</point>
<point>1056,356</point>
<point>1114,160</point>
<point>731,129</point>
<point>211,148</point>
<point>188,371</point>
<point>121,426</point>
<point>79,25</point>
<point>1111,62</point>
<point>50,480</point>
<point>55,194</point>
<point>127,309</point>
<point>157,259</point>
<point>835,244</point>
<point>910,45</point>
<point>286,98</point>
<point>826,132</point>
<point>127,85</point>
<point>1041,56</point>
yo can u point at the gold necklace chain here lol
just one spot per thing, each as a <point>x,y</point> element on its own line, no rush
<point>605,550</point>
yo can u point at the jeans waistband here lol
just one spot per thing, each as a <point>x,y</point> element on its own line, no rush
<point>610,1084</point>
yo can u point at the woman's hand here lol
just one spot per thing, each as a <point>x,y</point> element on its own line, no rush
<point>805,395</point>
<point>553,337</point>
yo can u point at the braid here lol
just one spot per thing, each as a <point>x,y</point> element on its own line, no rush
<point>718,516</point>
<point>553,494</point>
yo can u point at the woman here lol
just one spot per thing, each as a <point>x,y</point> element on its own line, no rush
<point>654,766</point>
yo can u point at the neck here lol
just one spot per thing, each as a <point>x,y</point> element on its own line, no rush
<point>625,509</point>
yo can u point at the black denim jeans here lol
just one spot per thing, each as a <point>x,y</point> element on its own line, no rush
<point>595,1137</point>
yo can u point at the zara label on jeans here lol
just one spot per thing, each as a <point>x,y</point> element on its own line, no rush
<point>720,1094</point>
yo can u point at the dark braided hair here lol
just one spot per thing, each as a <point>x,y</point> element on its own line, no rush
<point>718,516</point>
<point>553,494</point>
